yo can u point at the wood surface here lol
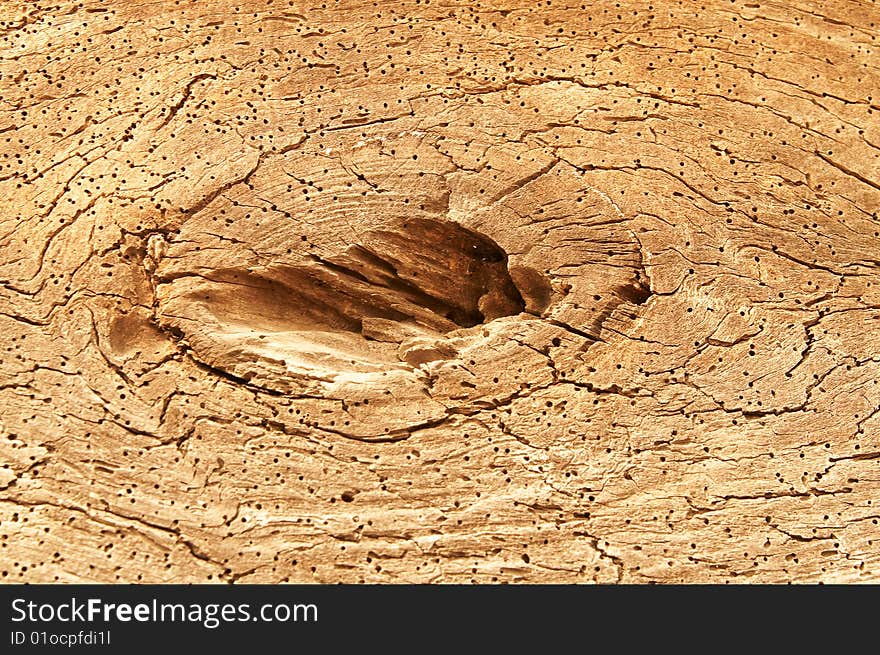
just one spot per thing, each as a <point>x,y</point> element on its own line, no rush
<point>424,291</point>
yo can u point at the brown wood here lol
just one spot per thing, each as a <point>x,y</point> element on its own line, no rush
<point>439,292</point>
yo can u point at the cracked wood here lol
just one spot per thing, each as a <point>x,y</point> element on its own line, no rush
<point>386,292</point>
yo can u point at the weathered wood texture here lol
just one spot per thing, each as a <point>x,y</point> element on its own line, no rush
<point>439,291</point>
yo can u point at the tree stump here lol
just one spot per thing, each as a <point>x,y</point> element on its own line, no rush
<point>439,292</point>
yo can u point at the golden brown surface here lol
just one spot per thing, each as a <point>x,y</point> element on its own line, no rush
<point>439,292</point>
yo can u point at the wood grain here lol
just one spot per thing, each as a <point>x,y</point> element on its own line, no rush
<point>439,292</point>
